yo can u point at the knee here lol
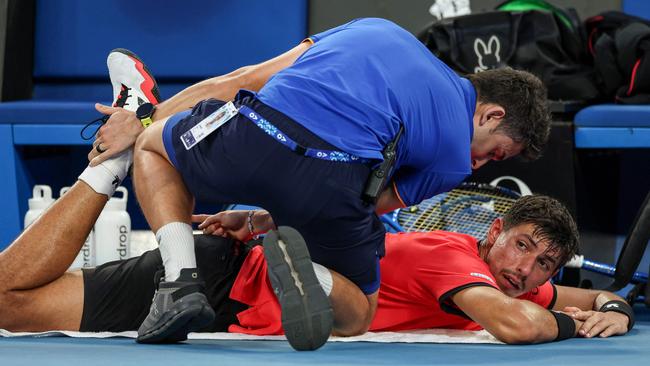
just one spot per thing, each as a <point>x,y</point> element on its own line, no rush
<point>10,303</point>
<point>149,142</point>
<point>353,320</point>
<point>358,326</point>
<point>145,139</point>
<point>151,137</point>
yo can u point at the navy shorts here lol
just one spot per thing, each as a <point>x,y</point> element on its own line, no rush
<point>240,163</point>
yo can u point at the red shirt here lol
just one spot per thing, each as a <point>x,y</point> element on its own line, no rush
<point>420,272</point>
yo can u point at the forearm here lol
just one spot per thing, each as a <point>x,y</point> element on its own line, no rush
<point>510,320</point>
<point>226,87</point>
<point>527,323</point>
<point>388,200</point>
<point>223,87</point>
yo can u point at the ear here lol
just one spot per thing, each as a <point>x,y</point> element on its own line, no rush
<point>492,113</point>
<point>495,230</point>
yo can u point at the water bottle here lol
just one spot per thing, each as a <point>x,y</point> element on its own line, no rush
<point>41,200</point>
<point>113,230</point>
<point>86,256</point>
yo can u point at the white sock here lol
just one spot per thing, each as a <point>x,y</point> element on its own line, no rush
<point>324,277</point>
<point>107,176</point>
<point>176,248</point>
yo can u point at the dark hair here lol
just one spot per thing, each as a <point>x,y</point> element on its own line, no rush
<point>552,222</point>
<point>523,96</point>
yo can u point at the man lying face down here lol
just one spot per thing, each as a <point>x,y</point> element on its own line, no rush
<point>429,280</point>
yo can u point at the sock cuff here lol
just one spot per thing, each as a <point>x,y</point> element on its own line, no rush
<point>173,229</point>
<point>324,278</point>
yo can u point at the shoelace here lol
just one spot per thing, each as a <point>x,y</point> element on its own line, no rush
<point>122,97</point>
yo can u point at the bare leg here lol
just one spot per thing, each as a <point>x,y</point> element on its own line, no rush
<point>353,311</point>
<point>165,201</point>
<point>160,189</point>
<point>35,292</point>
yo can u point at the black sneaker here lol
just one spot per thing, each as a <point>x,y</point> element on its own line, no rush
<point>306,311</point>
<point>177,308</point>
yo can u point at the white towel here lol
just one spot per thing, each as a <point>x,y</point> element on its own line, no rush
<point>415,336</point>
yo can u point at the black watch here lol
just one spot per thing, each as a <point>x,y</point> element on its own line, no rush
<point>144,114</point>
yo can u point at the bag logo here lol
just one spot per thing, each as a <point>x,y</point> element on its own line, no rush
<point>493,47</point>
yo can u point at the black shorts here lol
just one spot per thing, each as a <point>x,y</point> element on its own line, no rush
<point>321,199</point>
<point>117,295</point>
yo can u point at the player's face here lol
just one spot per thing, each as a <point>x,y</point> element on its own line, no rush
<point>489,145</point>
<point>521,261</point>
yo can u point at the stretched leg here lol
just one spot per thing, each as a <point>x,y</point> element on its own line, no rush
<point>35,292</point>
<point>45,250</point>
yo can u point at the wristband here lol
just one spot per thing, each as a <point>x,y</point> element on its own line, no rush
<point>566,327</point>
<point>251,230</point>
<point>619,307</point>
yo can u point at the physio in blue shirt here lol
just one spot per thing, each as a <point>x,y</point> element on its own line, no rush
<point>308,128</point>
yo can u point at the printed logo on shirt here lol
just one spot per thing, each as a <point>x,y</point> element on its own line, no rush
<point>481,275</point>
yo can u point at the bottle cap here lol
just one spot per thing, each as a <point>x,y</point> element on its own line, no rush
<point>41,197</point>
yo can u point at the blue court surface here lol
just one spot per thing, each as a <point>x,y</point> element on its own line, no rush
<point>631,349</point>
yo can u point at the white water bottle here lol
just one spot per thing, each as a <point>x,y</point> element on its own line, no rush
<point>113,230</point>
<point>86,256</point>
<point>41,200</point>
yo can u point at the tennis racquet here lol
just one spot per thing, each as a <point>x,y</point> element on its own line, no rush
<point>469,209</point>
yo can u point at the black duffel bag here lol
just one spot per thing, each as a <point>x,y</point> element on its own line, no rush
<point>535,41</point>
<point>620,46</point>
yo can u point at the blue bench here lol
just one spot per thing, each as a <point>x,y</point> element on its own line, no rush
<point>613,126</point>
<point>181,42</point>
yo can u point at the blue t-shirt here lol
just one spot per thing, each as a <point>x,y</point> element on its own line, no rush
<point>357,83</point>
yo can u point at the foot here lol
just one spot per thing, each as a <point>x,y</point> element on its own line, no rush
<point>133,84</point>
<point>178,308</point>
<point>306,311</point>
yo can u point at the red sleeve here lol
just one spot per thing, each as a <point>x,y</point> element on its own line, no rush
<point>457,266</point>
<point>544,295</point>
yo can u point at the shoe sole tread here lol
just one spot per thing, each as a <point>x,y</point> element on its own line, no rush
<point>306,320</point>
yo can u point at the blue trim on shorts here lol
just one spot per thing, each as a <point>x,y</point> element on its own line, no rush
<point>372,287</point>
<point>167,135</point>
<point>284,139</point>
